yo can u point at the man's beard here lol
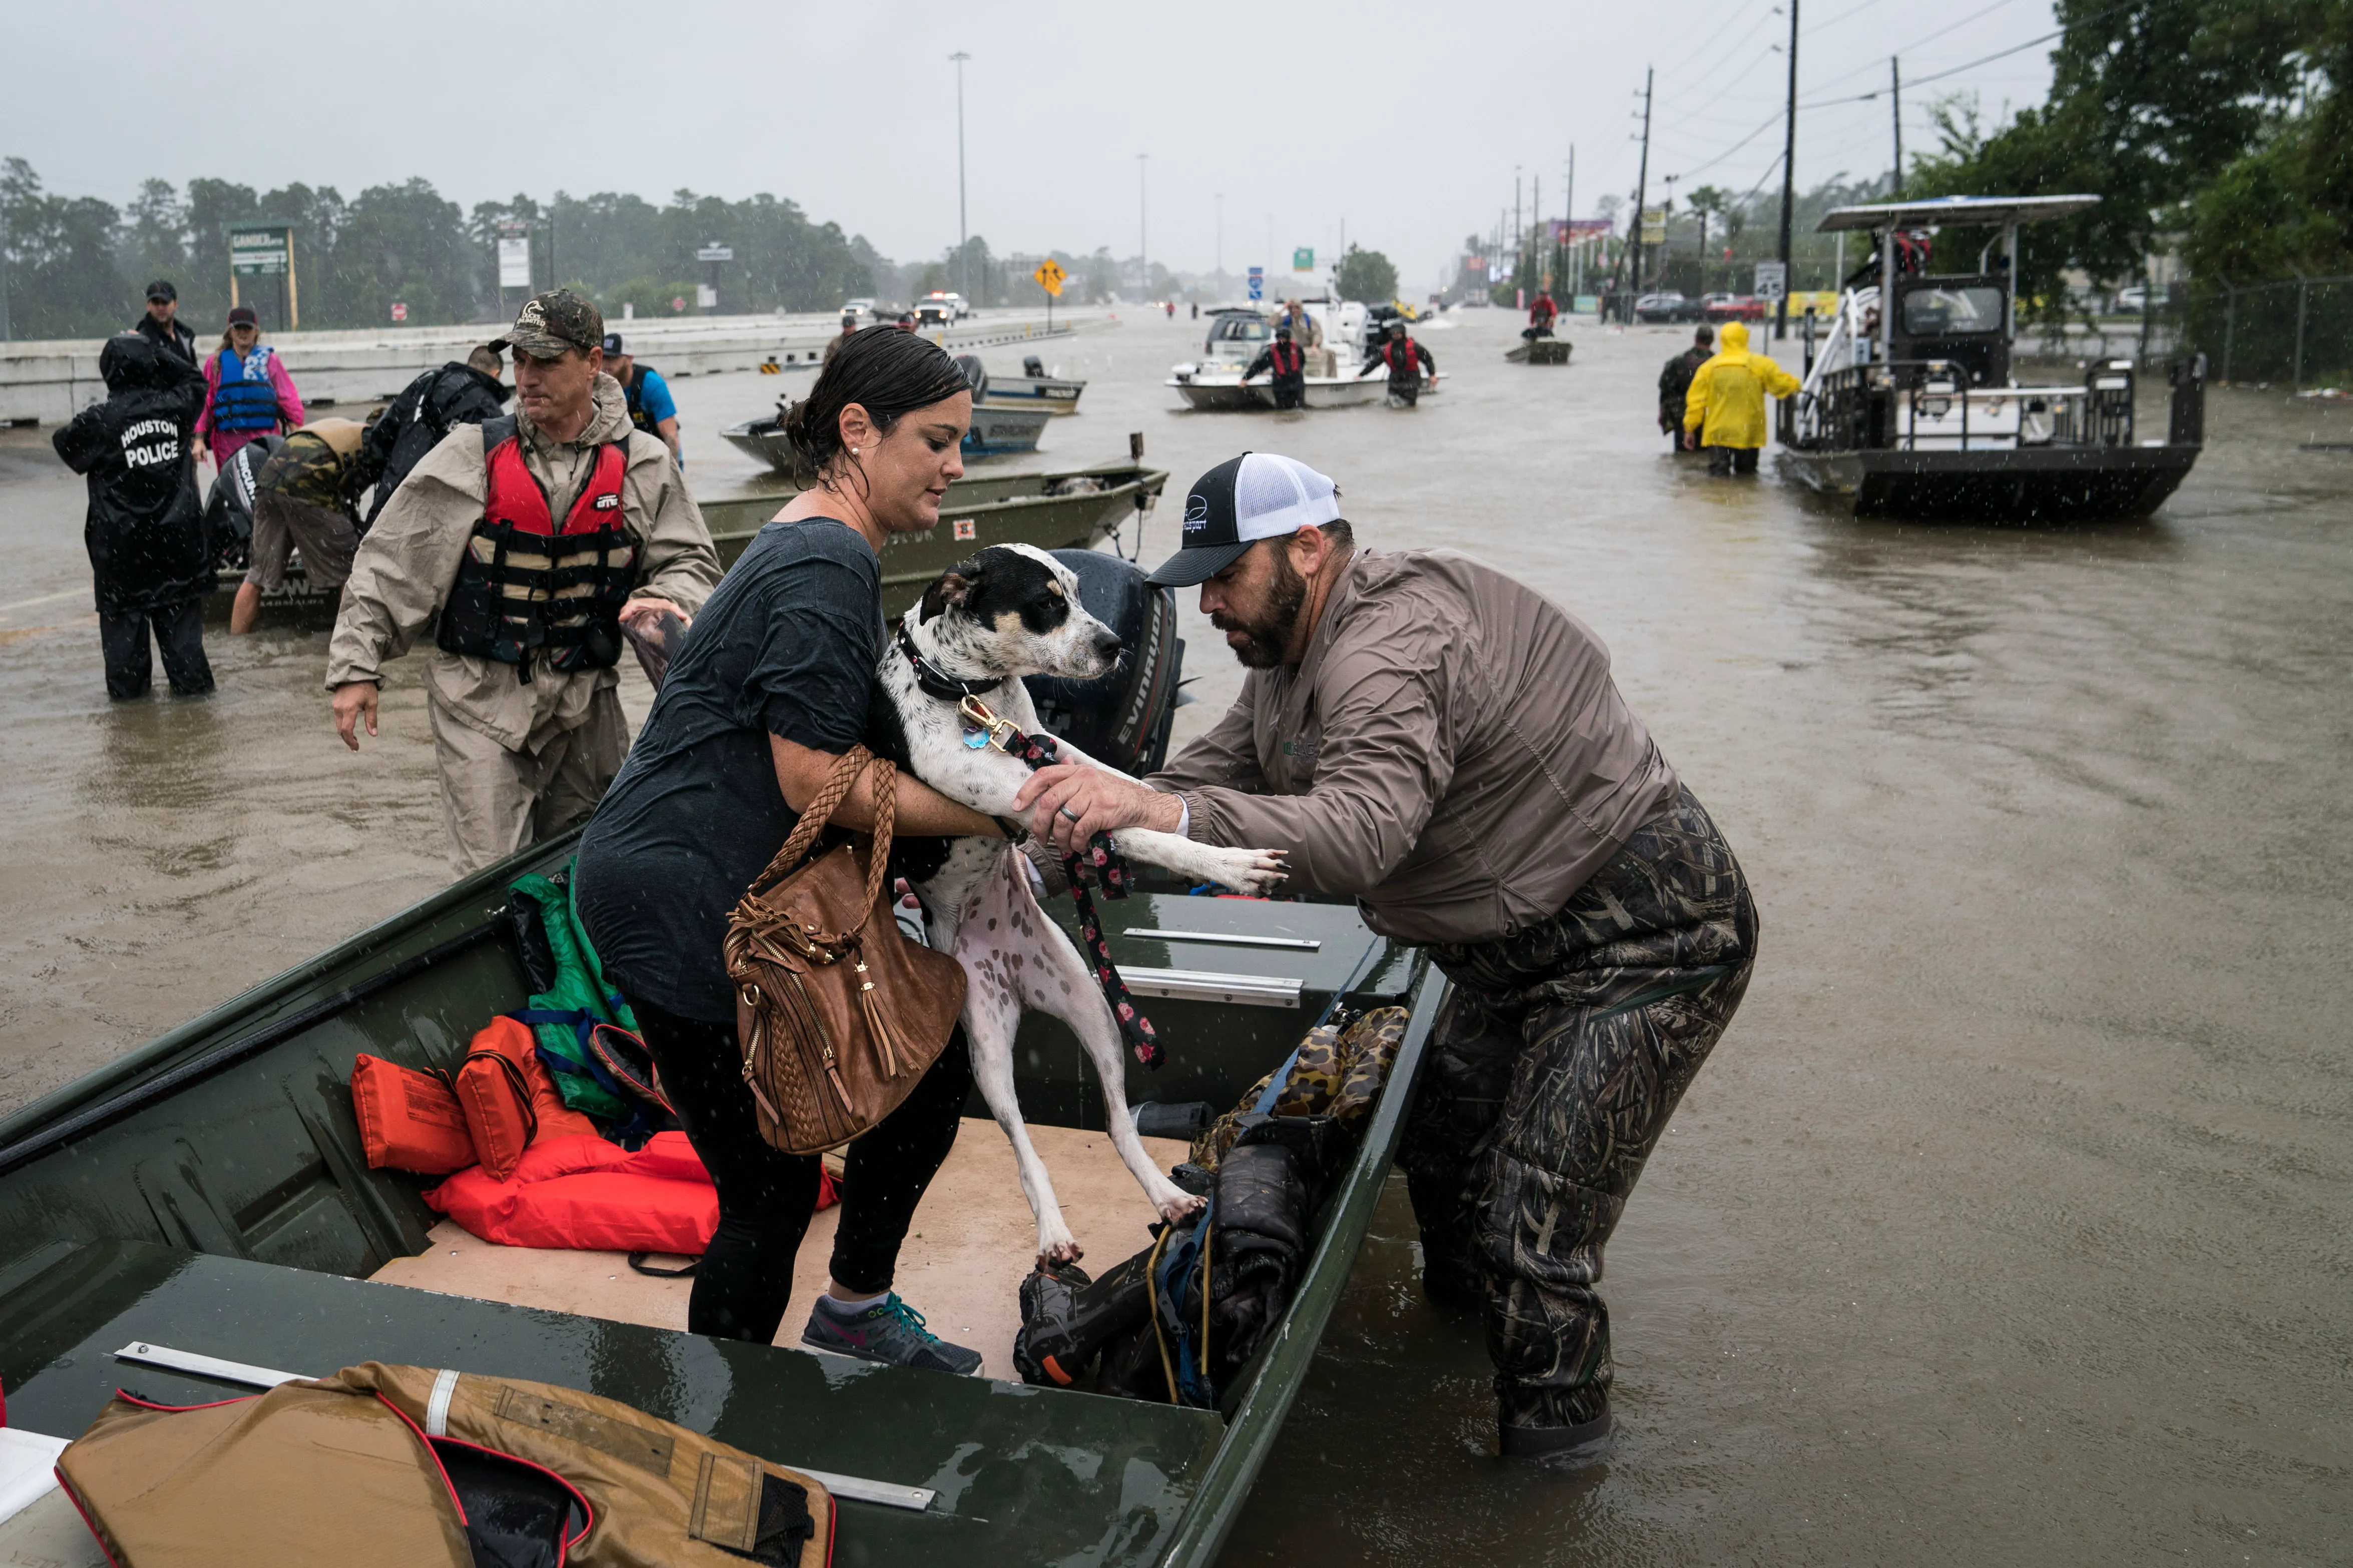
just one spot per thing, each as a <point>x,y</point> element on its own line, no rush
<point>1267,635</point>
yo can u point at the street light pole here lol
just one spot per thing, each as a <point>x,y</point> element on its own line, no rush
<point>1788,179</point>
<point>964,226</point>
<point>1143,230</point>
<point>1221,238</point>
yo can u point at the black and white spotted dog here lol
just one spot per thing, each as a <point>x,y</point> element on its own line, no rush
<point>1010,611</point>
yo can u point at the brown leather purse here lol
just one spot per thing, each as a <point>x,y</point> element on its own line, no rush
<point>837,1014</point>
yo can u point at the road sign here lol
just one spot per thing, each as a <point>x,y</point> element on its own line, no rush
<point>260,252</point>
<point>1258,282</point>
<point>715,253</point>
<point>678,301</point>
<point>1302,259</point>
<point>399,312</point>
<point>1654,225</point>
<point>514,263</point>
<point>706,296</point>
<point>1051,276</point>
<point>1772,279</point>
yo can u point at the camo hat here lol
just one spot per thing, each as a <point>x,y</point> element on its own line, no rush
<point>552,322</point>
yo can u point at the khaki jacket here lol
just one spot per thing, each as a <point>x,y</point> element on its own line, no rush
<point>1452,751</point>
<point>408,563</point>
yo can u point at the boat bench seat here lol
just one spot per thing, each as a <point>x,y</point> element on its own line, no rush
<point>1022,1474</point>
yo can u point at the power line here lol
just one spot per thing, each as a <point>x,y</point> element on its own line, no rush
<point>1907,48</point>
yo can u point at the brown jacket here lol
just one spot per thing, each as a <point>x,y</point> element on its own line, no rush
<point>1452,751</point>
<point>408,563</point>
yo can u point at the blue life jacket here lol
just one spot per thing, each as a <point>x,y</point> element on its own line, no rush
<point>241,404</point>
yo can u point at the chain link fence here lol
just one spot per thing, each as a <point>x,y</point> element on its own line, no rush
<point>2298,331</point>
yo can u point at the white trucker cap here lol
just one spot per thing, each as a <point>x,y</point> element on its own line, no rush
<point>1259,495</point>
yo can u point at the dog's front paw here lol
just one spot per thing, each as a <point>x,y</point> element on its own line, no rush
<point>1256,872</point>
<point>1179,1203</point>
<point>1052,1250</point>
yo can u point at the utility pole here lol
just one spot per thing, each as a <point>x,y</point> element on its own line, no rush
<point>1789,178</point>
<point>8,333</point>
<point>1221,238</point>
<point>964,226</point>
<point>1895,91</point>
<point>1143,231</point>
<point>1642,181</point>
<point>1569,215</point>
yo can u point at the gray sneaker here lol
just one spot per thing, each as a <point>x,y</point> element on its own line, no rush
<point>890,1331</point>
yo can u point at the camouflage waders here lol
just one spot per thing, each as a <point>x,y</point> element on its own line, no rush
<point>1552,1071</point>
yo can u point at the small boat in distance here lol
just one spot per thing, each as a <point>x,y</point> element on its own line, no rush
<point>1214,383</point>
<point>1032,387</point>
<point>995,431</point>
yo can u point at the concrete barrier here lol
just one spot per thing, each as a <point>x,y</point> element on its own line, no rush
<point>49,382</point>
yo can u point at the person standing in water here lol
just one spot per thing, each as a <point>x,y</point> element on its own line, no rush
<point>145,528</point>
<point>1674,383</point>
<point>1724,410</point>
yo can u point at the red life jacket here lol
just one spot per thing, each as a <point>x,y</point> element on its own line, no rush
<point>1288,358</point>
<point>526,585</point>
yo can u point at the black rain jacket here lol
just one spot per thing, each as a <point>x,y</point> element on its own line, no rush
<point>428,408</point>
<point>146,530</point>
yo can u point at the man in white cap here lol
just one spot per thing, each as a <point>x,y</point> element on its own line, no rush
<point>1422,732</point>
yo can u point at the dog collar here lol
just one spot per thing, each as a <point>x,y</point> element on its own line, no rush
<point>937,682</point>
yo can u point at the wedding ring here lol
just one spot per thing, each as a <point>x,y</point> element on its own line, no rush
<point>1071,814</point>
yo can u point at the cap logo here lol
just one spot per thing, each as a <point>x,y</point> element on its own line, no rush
<point>1197,513</point>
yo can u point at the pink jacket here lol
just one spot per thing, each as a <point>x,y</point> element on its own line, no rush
<point>224,442</point>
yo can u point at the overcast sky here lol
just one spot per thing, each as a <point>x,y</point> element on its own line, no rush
<point>1403,124</point>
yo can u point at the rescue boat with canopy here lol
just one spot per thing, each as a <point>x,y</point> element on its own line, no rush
<point>1916,411</point>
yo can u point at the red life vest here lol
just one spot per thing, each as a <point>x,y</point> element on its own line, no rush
<point>1288,358</point>
<point>526,585</point>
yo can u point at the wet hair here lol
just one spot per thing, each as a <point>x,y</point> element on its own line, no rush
<point>888,372</point>
<point>1704,335</point>
<point>486,359</point>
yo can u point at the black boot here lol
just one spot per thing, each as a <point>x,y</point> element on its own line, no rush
<point>1569,1427</point>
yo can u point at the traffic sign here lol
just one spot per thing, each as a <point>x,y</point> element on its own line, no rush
<point>1772,279</point>
<point>1051,276</point>
<point>1258,282</point>
<point>715,253</point>
<point>1302,259</point>
<point>399,312</point>
<point>514,263</point>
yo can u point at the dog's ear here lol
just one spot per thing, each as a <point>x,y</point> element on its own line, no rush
<point>956,584</point>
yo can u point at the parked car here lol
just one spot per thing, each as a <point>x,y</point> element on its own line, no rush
<point>1731,308</point>
<point>2129,301</point>
<point>866,310</point>
<point>1668,306</point>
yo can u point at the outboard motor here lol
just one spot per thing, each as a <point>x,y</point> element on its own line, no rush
<point>1124,717</point>
<point>1032,365</point>
<point>976,375</point>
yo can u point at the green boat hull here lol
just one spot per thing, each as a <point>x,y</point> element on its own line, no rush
<point>208,1191</point>
<point>1007,509</point>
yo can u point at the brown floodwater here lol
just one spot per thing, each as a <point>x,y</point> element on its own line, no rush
<point>2009,1223</point>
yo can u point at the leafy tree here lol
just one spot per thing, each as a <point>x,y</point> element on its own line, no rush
<point>63,282</point>
<point>1367,276</point>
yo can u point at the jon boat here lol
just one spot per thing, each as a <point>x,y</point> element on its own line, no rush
<point>1059,509</point>
<point>1033,387</point>
<point>1914,412</point>
<point>1540,350</point>
<point>199,1216</point>
<point>996,430</point>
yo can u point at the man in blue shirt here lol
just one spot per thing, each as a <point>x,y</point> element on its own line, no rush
<point>651,408</point>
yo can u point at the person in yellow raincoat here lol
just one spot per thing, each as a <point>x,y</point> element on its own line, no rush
<point>1725,409</point>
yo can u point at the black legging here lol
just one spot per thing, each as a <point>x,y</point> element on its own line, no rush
<point>766,1198</point>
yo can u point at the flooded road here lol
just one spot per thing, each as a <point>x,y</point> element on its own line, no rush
<point>2010,1222</point>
